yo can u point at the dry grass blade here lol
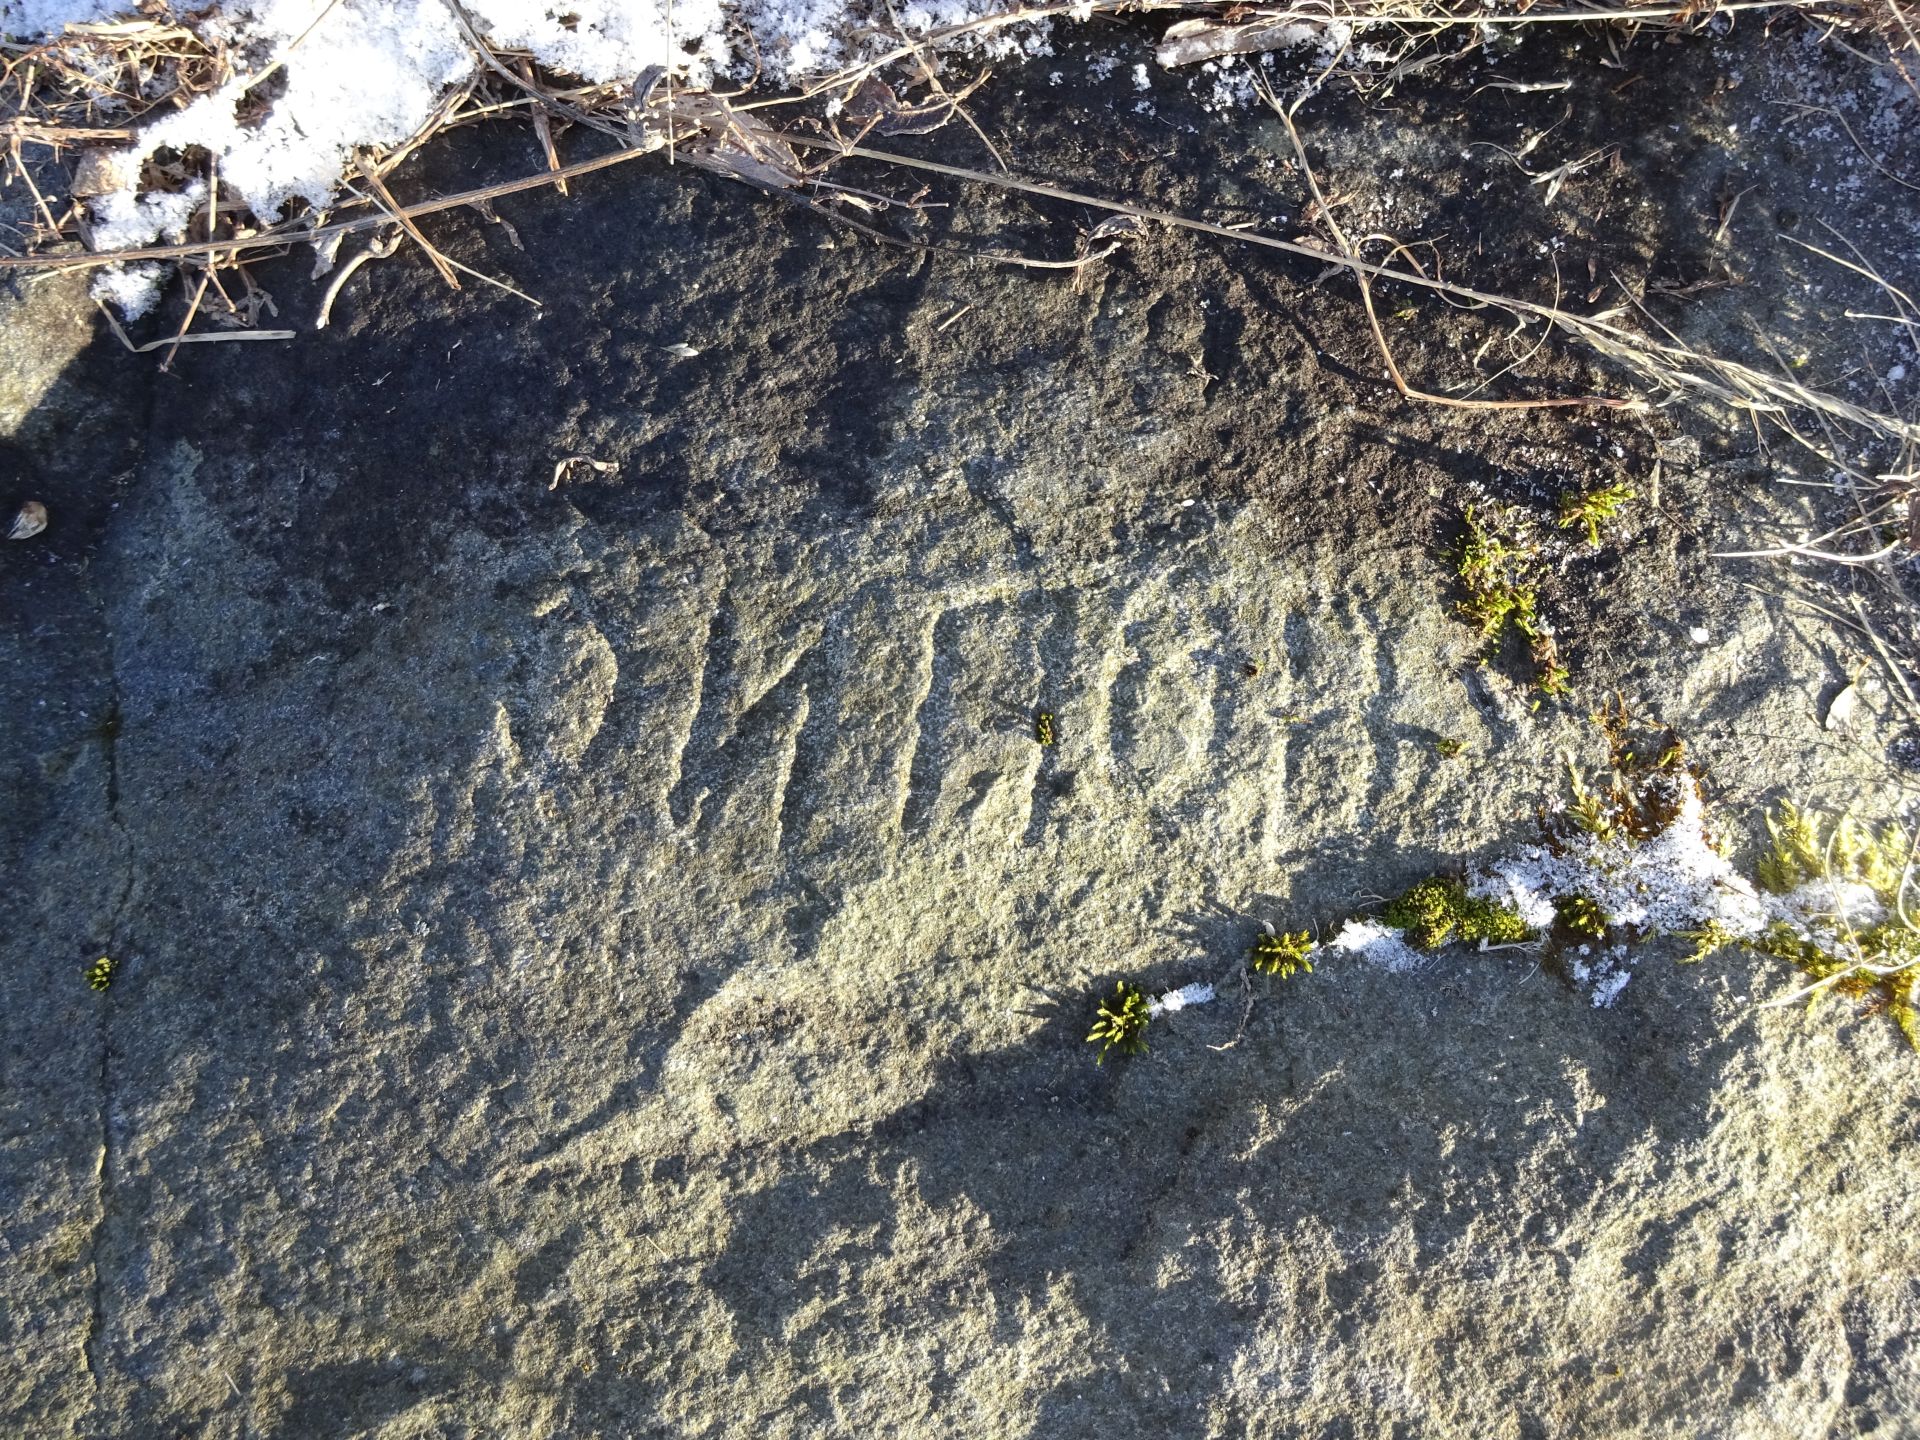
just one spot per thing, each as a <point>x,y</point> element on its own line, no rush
<point>1672,367</point>
<point>377,249</point>
<point>296,234</point>
<point>384,198</point>
<point>1361,277</point>
<point>205,337</point>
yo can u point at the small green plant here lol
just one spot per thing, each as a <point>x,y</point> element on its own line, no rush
<point>1582,915</point>
<point>1500,578</point>
<point>1043,727</point>
<point>1876,963</point>
<point>1809,846</point>
<point>1283,954</point>
<point>1592,508</point>
<point>1121,1023</point>
<point>100,972</point>
<point>1589,811</point>
<point>1447,748</point>
<point>1712,936</point>
<point>1438,911</point>
<point>1646,788</point>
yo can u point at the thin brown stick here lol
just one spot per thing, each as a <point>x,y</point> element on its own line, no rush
<point>186,323</point>
<point>384,198</point>
<point>1407,392</point>
<point>292,235</point>
<point>1672,365</point>
<point>543,130</point>
<point>45,132</point>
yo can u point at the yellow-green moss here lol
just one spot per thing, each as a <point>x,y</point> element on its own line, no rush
<point>1808,845</point>
<point>1591,507</point>
<point>1283,954</point>
<point>1581,915</point>
<point>1439,911</point>
<point>1499,575</point>
<point>1121,1023</point>
<point>1877,964</point>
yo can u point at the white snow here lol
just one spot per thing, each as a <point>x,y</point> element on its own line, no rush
<point>1381,945</point>
<point>1675,881</point>
<point>122,220</point>
<point>1198,993</point>
<point>370,73</point>
<point>130,289</point>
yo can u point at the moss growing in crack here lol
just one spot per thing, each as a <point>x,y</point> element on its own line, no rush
<point>1437,912</point>
<point>1647,785</point>
<point>1712,936</point>
<point>1283,954</point>
<point>1875,962</point>
<point>1807,846</point>
<point>1581,915</point>
<point>100,972</point>
<point>1592,508</point>
<point>1121,1022</point>
<point>1499,574</point>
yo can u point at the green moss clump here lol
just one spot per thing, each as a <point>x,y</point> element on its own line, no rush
<point>1808,846</point>
<point>1708,938</point>
<point>1499,578</point>
<point>1283,954</point>
<point>1591,508</point>
<point>1581,915</point>
<point>100,972</point>
<point>1436,912</point>
<point>1121,1023</point>
<point>1877,964</point>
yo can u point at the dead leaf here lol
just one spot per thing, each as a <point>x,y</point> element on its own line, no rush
<point>96,173</point>
<point>29,522</point>
<point>1188,42</point>
<point>1840,709</point>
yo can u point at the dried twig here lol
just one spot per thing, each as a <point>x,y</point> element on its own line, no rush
<point>377,249</point>
<point>384,199</point>
<point>1350,255</point>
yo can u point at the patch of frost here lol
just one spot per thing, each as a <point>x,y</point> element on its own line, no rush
<point>1198,993</point>
<point>1675,881</point>
<point>1378,944</point>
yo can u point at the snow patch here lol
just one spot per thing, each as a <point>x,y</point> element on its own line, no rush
<point>1378,944</point>
<point>1673,882</point>
<point>1198,993</point>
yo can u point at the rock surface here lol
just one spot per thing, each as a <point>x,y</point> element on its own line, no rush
<point>614,959</point>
